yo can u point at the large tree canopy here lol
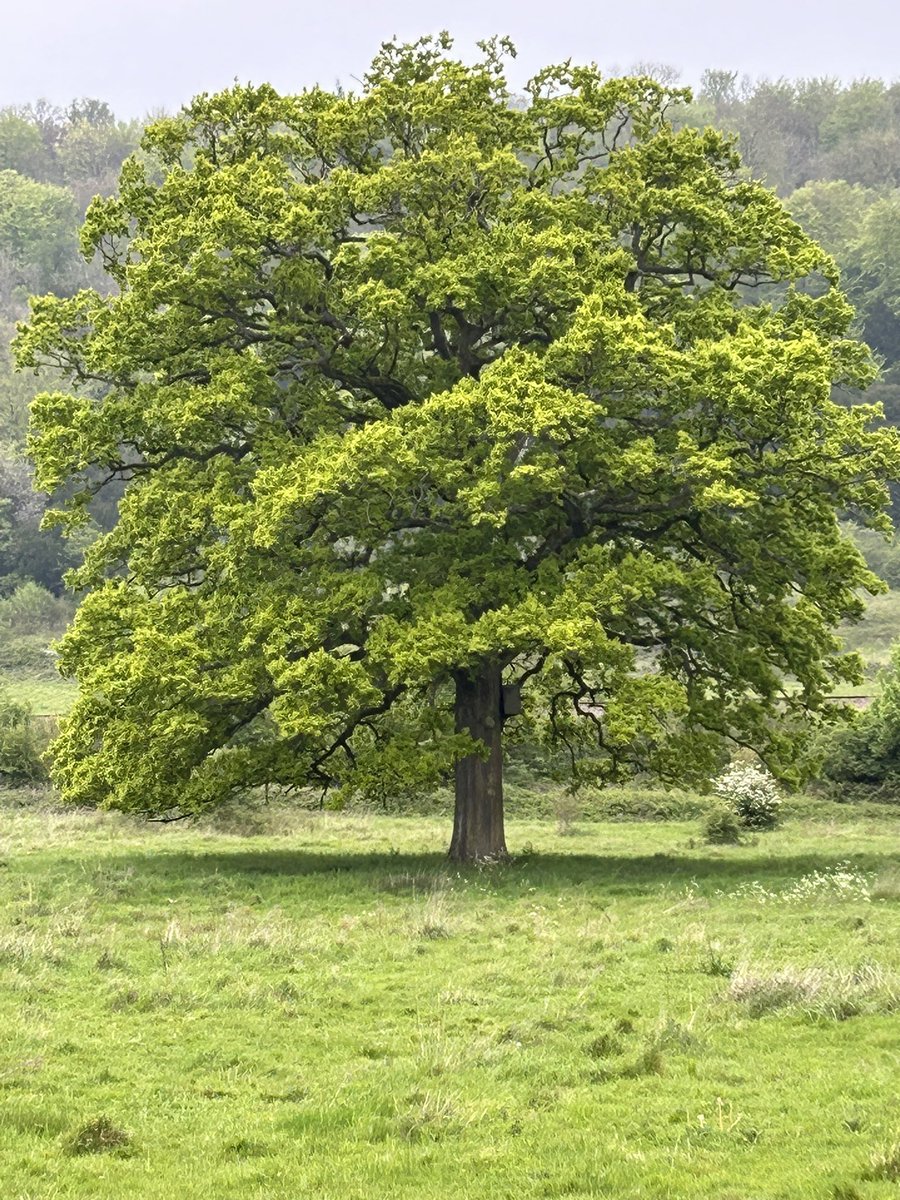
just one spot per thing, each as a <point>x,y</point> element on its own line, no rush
<point>423,393</point>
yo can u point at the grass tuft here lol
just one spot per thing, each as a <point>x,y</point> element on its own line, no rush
<point>886,886</point>
<point>846,1191</point>
<point>716,963</point>
<point>110,962</point>
<point>818,991</point>
<point>98,1136</point>
<point>604,1046</point>
<point>245,1148</point>
<point>885,1164</point>
<point>429,1117</point>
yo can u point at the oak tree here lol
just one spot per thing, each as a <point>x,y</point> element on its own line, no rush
<point>431,402</point>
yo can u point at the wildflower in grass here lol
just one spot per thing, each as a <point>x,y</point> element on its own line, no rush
<point>840,882</point>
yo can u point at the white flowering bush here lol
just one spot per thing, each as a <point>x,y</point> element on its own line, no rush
<point>752,793</point>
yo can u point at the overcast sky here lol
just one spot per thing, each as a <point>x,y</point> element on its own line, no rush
<point>148,54</point>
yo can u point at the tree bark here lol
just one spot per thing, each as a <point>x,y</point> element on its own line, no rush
<point>478,820</point>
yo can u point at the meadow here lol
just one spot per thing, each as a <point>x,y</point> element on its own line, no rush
<point>290,1004</point>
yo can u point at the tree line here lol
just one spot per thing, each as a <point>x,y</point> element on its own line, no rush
<point>53,160</point>
<point>832,151</point>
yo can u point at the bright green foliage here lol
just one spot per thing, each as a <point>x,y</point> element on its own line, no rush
<point>413,381</point>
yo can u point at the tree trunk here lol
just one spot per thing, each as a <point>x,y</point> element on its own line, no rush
<point>478,821</point>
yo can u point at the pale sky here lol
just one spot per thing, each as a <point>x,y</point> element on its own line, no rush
<point>141,55</point>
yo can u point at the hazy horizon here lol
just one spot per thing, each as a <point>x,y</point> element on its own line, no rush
<point>144,56</point>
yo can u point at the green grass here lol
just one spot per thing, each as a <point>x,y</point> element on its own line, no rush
<point>874,635</point>
<point>47,697</point>
<point>328,1009</point>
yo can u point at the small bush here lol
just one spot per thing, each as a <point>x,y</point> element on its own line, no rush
<point>32,609</point>
<point>751,793</point>
<point>867,751</point>
<point>567,812</point>
<point>722,826</point>
<point>715,962</point>
<point>21,746</point>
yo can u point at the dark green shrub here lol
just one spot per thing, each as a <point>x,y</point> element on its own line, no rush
<point>27,655</point>
<point>642,803</point>
<point>722,826</point>
<point>868,750</point>
<point>32,609</point>
<point>21,744</point>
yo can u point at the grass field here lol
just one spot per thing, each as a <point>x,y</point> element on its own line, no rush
<point>874,635</point>
<point>47,697</point>
<point>327,1009</point>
